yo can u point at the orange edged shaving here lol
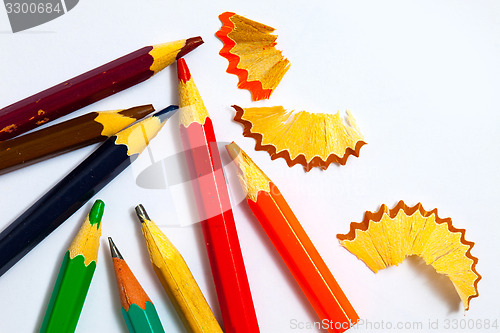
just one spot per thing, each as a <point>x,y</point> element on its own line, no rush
<point>309,139</point>
<point>250,49</point>
<point>386,237</point>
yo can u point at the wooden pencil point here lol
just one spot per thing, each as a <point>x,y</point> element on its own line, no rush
<point>191,44</point>
<point>113,249</point>
<point>166,113</point>
<point>137,112</point>
<point>183,71</point>
<point>252,178</point>
<point>141,213</point>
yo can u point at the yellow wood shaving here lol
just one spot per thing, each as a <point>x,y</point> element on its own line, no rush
<point>303,133</point>
<point>392,236</point>
<point>255,47</point>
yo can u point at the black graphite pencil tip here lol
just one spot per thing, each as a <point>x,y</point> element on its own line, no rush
<point>141,213</point>
<point>114,251</point>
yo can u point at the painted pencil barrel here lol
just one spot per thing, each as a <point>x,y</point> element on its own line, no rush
<point>75,276</point>
<point>67,196</point>
<point>303,260</point>
<point>219,229</point>
<point>90,87</point>
<point>214,208</point>
<point>140,320</point>
<point>70,135</point>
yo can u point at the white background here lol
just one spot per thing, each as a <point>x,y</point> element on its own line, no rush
<point>422,79</point>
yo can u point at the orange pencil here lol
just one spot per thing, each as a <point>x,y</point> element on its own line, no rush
<point>137,309</point>
<point>293,245</point>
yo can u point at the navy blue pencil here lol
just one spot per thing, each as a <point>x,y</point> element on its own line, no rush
<point>74,190</point>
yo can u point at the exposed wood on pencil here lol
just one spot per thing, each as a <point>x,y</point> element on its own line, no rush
<point>67,136</point>
<point>75,276</point>
<point>137,308</point>
<point>67,196</point>
<point>91,86</point>
<point>214,208</point>
<point>293,244</point>
<point>176,279</point>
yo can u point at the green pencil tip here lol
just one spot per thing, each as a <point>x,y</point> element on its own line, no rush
<point>96,213</point>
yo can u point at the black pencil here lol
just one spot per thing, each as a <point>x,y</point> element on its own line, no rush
<point>74,190</point>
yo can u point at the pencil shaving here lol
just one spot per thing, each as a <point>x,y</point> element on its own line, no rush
<point>309,139</point>
<point>250,49</point>
<point>387,237</point>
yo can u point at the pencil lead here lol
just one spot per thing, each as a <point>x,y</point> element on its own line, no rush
<point>138,112</point>
<point>114,251</point>
<point>141,213</point>
<point>166,113</point>
<point>95,215</point>
<point>183,71</point>
<point>191,44</point>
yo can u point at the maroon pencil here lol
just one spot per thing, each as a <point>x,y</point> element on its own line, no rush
<point>91,86</point>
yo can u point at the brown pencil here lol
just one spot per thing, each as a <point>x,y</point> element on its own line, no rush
<point>67,136</point>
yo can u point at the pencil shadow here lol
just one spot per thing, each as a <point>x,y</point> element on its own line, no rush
<point>110,274</point>
<point>171,313</point>
<point>82,214</point>
<point>440,284</point>
<point>278,262</point>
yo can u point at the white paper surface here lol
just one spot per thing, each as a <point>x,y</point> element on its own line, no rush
<point>422,79</point>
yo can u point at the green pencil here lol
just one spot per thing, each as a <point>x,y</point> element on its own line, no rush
<point>137,309</point>
<point>75,275</point>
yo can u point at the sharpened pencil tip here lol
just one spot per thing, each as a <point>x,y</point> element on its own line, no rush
<point>183,72</point>
<point>233,150</point>
<point>114,251</point>
<point>166,112</point>
<point>96,212</point>
<point>191,44</point>
<point>141,213</point>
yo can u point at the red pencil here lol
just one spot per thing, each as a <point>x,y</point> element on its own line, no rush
<point>214,207</point>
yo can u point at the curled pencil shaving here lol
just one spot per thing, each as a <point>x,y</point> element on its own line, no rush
<point>250,49</point>
<point>309,139</point>
<point>386,237</point>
